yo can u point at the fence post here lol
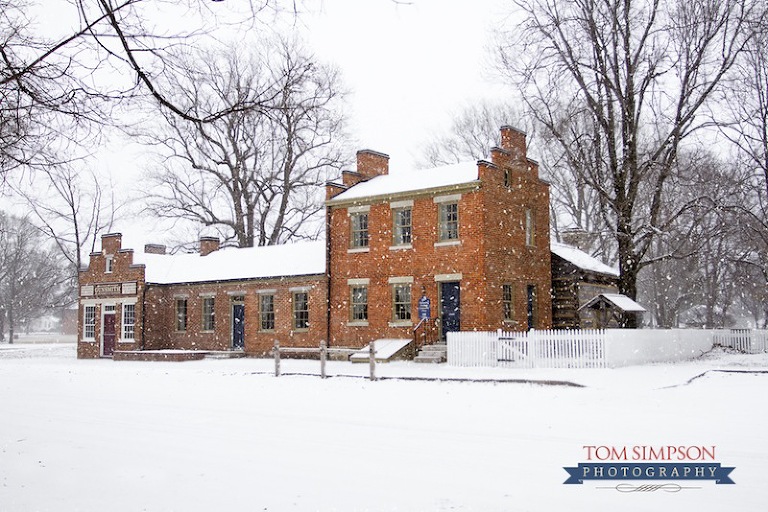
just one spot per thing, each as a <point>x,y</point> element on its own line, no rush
<point>323,356</point>
<point>277,358</point>
<point>372,359</point>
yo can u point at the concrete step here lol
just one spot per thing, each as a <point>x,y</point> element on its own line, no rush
<point>428,359</point>
<point>224,354</point>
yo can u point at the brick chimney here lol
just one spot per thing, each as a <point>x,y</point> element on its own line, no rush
<point>111,243</point>
<point>513,141</point>
<point>371,164</point>
<point>154,249</point>
<point>208,244</point>
<point>333,189</point>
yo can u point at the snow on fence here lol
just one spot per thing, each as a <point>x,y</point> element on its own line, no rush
<point>751,341</point>
<point>594,348</point>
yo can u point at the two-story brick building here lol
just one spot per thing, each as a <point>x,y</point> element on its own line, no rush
<point>472,239</point>
<point>466,245</point>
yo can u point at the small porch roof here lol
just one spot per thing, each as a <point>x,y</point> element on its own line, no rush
<point>617,300</point>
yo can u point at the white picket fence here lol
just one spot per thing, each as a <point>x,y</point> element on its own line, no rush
<point>549,349</point>
<point>751,341</point>
<point>593,348</point>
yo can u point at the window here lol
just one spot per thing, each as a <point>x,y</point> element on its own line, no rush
<point>209,314</point>
<point>506,302</point>
<point>359,303</point>
<point>449,222</point>
<point>108,264</point>
<point>401,302</point>
<point>181,314</point>
<point>267,312</point>
<point>301,310</point>
<point>401,229</point>
<point>529,227</point>
<point>129,321</point>
<point>359,230</point>
<point>531,305</point>
<point>89,322</point>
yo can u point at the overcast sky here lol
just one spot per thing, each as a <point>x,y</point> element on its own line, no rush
<point>409,67</point>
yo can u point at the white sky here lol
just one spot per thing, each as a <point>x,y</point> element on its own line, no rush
<point>410,67</point>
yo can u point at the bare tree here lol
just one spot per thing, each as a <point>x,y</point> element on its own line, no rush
<point>116,50</point>
<point>639,72</point>
<point>473,131</point>
<point>32,278</point>
<point>255,173</point>
<point>746,126</point>
<point>73,206</point>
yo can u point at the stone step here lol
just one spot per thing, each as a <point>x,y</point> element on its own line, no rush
<point>428,359</point>
<point>224,354</point>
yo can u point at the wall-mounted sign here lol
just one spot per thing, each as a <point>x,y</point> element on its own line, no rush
<point>425,311</point>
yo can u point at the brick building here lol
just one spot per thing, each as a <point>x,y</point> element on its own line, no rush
<point>472,239</point>
<point>216,300</point>
<point>466,245</point>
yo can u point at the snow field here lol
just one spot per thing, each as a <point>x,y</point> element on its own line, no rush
<point>226,435</point>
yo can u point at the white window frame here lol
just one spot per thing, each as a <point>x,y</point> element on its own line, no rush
<point>92,324</point>
<point>129,328</point>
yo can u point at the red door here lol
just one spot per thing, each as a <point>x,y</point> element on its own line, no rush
<point>108,335</point>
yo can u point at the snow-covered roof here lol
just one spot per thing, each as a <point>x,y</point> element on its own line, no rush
<point>298,259</point>
<point>619,300</point>
<point>581,259</point>
<point>412,181</point>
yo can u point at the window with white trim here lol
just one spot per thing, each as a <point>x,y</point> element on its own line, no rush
<point>448,227</point>
<point>301,310</point>
<point>401,226</point>
<point>530,225</point>
<point>267,312</point>
<point>129,321</point>
<point>109,264</point>
<point>401,302</point>
<point>209,314</point>
<point>89,322</point>
<point>181,314</point>
<point>358,222</point>
<point>359,303</point>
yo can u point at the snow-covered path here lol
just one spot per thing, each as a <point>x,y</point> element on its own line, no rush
<point>228,436</point>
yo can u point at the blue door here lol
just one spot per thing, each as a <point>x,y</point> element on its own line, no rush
<point>238,326</point>
<point>450,307</point>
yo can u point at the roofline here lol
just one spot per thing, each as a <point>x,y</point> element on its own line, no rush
<point>235,280</point>
<point>467,185</point>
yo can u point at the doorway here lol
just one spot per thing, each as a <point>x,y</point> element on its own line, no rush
<point>108,331</point>
<point>238,323</point>
<point>450,307</point>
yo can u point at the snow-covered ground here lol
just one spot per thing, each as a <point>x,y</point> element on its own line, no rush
<point>226,435</point>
